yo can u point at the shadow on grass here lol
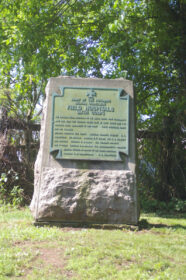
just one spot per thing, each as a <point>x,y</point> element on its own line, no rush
<point>80,226</point>
<point>144,224</point>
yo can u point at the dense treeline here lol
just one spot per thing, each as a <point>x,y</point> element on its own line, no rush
<point>141,40</point>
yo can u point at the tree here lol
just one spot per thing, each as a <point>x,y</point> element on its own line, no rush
<point>110,38</point>
<point>34,41</point>
<point>147,39</point>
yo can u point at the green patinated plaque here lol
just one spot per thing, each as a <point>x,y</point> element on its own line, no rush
<point>90,124</point>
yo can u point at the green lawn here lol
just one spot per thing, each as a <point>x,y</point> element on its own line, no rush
<point>156,251</point>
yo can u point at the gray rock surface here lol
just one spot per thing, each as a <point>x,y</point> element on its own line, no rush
<point>80,195</point>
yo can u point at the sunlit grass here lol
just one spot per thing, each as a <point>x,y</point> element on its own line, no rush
<point>157,251</point>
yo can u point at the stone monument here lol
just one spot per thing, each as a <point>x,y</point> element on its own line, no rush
<point>85,168</point>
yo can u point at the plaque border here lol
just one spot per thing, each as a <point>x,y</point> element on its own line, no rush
<point>122,94</point>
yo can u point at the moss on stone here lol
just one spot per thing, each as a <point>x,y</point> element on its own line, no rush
<point>83,202</point>
<point>83,164</point>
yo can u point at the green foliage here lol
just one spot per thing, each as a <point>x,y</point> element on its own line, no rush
<point>147,40</point>
<point>10,193</point>
<point>3,181</point>
<point>152,205</point>
<point>141,40</point>
<point>16,196</point>
<point>180,205</point>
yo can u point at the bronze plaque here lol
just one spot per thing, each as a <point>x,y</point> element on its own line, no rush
<point>90,124</point>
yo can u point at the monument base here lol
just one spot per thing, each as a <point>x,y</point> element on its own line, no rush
<point>81,195</point>
<point>87,225</point>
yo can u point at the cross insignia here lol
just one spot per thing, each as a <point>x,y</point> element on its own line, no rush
<point>91,93</point>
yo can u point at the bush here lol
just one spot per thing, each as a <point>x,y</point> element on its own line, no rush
<point>153,205</point>
<point>10,192</point>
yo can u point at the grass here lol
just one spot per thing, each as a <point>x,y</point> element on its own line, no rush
<point>156,251</point>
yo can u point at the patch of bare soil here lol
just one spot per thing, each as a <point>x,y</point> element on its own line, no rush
<point>45,256</point>
<point>52,257</point>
